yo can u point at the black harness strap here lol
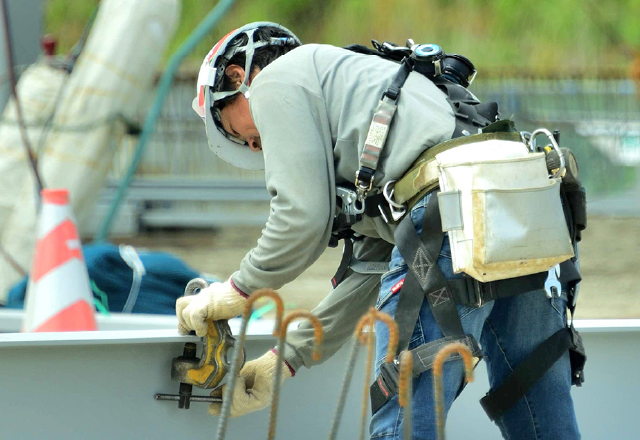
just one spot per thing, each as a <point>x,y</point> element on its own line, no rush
<point>424,277</point>
<point>347,253</point>
<point>527,373</point>
<point>393,91</point>
<point>386,384</point>
<point>469,292</point>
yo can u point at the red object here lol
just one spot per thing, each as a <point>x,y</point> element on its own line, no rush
<point>59,296</point>
<point>210,55</point>
<point>55,196</point>
<point>291,370</point>
<point>76,317</point>
<point>48,44</point>
<point>63,238</point>
<point>397,286</point>
<point>237,289</point>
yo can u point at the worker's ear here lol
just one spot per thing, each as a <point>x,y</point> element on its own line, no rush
<point>235,74</point>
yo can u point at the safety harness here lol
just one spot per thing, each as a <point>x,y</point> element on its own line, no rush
<point>475,121</point>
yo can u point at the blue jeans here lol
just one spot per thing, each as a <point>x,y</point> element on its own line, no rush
<point>508,330</point>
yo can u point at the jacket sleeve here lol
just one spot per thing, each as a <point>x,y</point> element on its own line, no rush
<point>341,310</point>
<point>298,154</point>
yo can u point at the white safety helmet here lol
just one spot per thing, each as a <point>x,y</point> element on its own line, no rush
<point>210,79</point>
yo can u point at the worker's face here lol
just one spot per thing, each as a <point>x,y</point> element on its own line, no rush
<point>236,117</point>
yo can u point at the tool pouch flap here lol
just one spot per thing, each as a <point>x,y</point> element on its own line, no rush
<point>511,219</point>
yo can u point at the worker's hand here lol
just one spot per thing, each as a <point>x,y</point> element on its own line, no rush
<point>254,386</point>
<point>218,301</point>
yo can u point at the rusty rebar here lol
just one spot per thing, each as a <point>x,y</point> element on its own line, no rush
<point>438,363</point>
<point>368,319</point>
<point>235,361</point>
<point>405,392</point>
<point>282,336</point>
<point>374,315</point>
<point>367,376</point>
<point>393,331</point>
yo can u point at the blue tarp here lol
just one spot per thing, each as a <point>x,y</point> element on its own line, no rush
<point>164,281</point>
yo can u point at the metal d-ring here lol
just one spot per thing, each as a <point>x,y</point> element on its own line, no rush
<point>555,146</point>
<point>397,209</point>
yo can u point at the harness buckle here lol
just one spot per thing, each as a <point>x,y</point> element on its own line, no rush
<point>478,289</point>
<point>363,182</point>
<point>349,202</point>
<point>397,210</point>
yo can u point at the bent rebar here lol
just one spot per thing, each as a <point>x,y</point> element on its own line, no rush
<point>438,363</point>
<point>368,319</point>
<point>405,392</point>
<point>367,376</point>
<point>235,360</point>
<point>282,336</point>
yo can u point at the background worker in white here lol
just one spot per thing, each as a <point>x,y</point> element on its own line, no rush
<point>305,116</point>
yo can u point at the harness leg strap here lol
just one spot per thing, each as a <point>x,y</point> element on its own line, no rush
<point>527,374</point>
<point>386,384</point>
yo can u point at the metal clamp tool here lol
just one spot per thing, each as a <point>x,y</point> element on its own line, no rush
<point>210,369</point>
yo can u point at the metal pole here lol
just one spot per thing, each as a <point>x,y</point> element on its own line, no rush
<point>335,424</point>
<point>154,113</point>
<point>282,338</point>
<point>12,84</point>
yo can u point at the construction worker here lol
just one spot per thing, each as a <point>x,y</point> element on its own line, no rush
<point>304,113</point>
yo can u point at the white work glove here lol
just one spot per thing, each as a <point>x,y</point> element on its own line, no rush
<point>254,386</point>
<point>216,302</point>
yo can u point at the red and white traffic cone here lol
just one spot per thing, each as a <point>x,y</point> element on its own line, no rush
<point>59,294</point>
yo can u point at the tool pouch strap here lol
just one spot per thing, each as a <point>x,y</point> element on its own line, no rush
<point>497,402</point>
<point>578,358</point>
<point>386,384</point>
<point>470,292</point>
<point>576,198</point>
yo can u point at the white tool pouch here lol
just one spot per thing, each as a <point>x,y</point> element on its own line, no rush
<point>502,210</point>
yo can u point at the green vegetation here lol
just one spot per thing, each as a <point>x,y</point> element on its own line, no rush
<point>504,37</point>
<point>540,36</point>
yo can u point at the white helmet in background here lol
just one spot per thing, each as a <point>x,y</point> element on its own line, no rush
<point>209,89</point>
